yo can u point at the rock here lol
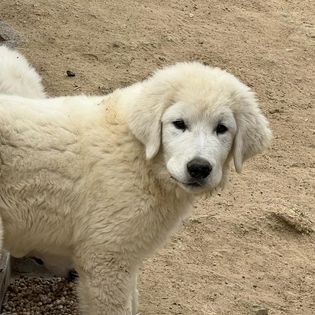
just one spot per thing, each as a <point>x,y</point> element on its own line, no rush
<point>262,311</point>
<point>9,36</point>
<point>70,73</point>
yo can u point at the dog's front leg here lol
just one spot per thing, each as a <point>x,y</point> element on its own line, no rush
<point>105,285</point>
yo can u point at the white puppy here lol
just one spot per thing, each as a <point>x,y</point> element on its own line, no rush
<point>104,180</point>
<point>17,77</point>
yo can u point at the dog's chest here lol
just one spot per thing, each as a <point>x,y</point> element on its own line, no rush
<point>139,222</point>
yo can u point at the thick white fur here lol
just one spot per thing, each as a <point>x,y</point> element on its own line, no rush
<point>17,76</point>
<point>90,177</point>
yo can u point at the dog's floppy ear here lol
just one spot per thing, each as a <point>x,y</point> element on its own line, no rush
<point>253,133</point>
<point>145,106</point>
<point>146,126</point>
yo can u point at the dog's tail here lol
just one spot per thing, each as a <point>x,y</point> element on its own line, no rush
<point>17,76</point>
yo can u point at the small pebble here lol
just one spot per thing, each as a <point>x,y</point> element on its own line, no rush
<point>70,73</point>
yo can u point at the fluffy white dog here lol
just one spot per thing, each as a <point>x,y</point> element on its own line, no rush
<point>104,180</point>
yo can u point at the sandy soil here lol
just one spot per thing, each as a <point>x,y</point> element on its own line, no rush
<point>251,246</point>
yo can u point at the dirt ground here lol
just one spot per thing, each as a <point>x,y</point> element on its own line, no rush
<point>251,247</point>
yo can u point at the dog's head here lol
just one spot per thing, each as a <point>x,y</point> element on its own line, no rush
<point>199,118</point>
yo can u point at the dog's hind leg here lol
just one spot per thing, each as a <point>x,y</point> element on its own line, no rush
<point>135,294</point>
<point>105,284</point>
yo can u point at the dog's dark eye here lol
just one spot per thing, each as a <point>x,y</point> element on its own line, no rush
<point>180,124</point>
<point>221,129</point>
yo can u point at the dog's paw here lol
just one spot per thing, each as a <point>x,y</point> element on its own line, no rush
<point>72,276</point>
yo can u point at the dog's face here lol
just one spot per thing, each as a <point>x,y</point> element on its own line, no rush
<point>196,141</point>
<point>198,117</point>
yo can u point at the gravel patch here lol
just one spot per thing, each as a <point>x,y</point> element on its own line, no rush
<point>40,296</point>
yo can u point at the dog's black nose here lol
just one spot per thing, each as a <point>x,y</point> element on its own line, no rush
<point>199,168</point>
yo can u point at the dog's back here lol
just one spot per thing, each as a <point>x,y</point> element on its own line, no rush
<point>17,76</point>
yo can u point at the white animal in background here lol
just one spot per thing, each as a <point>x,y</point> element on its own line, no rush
<point>17,76</point>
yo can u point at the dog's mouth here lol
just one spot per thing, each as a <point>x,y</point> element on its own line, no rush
<point>195,184</point>
<point>190,184</point>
